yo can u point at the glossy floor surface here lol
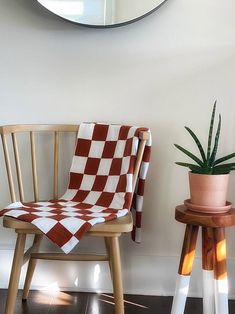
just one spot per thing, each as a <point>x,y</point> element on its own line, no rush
<point>88,303</point>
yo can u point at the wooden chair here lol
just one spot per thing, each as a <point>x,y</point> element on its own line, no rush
<point>110,231</point>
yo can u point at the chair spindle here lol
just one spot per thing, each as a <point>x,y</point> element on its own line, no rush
<point>138,161</point>
<point>8,168</point>
<point>18,168</point>
<point>56,164</point>
<point>34,166</point>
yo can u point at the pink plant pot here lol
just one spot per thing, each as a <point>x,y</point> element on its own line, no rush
<point>208,190</point>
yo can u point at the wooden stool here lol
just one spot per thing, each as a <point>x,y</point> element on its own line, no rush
<point>215,287</point>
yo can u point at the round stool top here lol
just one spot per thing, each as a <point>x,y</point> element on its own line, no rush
<point>186,216</point>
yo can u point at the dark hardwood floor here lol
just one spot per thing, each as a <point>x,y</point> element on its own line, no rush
<point>89,303</point>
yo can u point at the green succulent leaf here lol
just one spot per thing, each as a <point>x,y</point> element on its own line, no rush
<point>231,164</point>
<point>215,148</point>
<point>227,157</point>
<point>202,171</point>
<point>185,151</point>
<point>222,171</point>
<point>192,167</point>
<point>188,165</point>
<point>199,145</point>
<point>211,132</point>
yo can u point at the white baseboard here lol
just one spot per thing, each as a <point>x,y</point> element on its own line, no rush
<point>144,275</point>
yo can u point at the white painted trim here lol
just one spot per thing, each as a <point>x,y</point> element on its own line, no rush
<point>181,293</point>
<point>221,296</point>
<point>208,292</point>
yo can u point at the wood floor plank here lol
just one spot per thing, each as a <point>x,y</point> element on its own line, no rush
<point>69,302</point>
<point>89,303</point>
<point>104,303</point>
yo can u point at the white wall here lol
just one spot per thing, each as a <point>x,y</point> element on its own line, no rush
<point>164,72</point>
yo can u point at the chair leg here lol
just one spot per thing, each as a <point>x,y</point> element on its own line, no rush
<point>185,269</point>
<point>117,275</point>
<point>107,245</point>
<point>31,267</point>
<point>15,273</point>
<point>221,281</point>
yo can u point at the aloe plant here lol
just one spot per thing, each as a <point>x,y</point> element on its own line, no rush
<point>208,164</point>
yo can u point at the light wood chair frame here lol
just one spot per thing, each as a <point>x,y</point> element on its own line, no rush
<point>110,231</point>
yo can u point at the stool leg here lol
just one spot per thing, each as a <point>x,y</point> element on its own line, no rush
<point>208,271</point>
<point>185,269</point>
<point>220,271</point>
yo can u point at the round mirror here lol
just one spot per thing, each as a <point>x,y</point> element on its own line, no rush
<point>101,13</point>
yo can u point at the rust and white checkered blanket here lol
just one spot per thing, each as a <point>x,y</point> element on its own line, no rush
<point>100,186</point>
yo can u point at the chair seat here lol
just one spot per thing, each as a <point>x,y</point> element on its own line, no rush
<point>123,224</point>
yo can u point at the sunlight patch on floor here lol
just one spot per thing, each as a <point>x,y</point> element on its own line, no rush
<point>125,301</point>
<point>53,293</point>
<point>52,289</point>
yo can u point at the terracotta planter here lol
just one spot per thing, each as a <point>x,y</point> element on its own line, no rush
<point>208,191</point>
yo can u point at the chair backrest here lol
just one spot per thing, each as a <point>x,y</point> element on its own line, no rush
<point>10,139</point>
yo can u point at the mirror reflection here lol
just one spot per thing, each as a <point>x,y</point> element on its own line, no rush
<point>101,12</point>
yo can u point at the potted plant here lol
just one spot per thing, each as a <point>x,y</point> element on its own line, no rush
<point>208,177</point>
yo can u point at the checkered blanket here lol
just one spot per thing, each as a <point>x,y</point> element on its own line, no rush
<point>99,190</point>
